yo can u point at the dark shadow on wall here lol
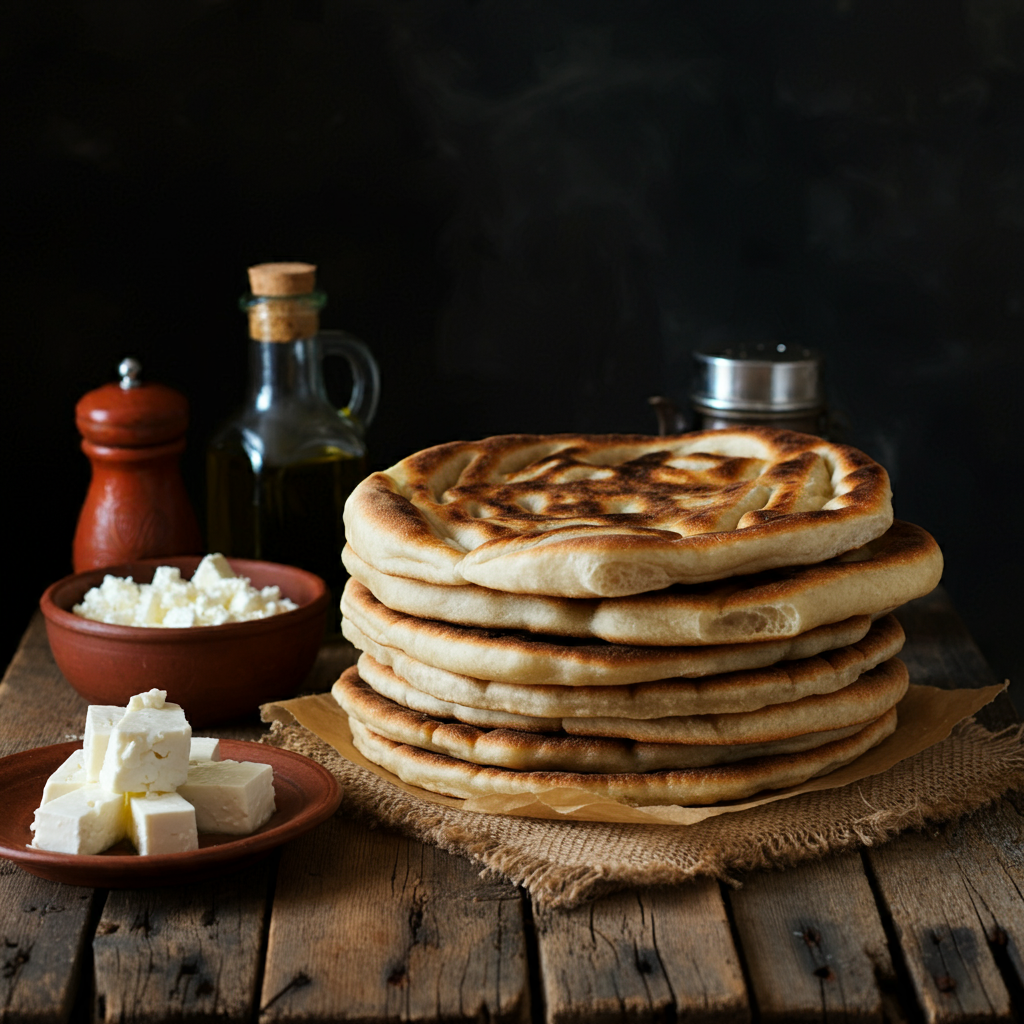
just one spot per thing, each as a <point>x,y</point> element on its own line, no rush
<point>533,213</point>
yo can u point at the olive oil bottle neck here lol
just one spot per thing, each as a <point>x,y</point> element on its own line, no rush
<point>283,371</point>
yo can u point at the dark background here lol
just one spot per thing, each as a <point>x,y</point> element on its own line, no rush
<point>533,212</point>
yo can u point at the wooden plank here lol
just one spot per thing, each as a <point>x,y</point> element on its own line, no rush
<point>37,706</point>
<point>43,928</point>
<point>941,936</point>
<point>933,885</point>
<point>191,952</point>
<point>647,955</point>
<point>955,946</point>
<point>812,937</point>
<point>813,941</point>
<point>989,851</point>
<point>367,926</point>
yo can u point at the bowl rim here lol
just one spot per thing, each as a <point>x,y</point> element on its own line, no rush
<point>66,619</point>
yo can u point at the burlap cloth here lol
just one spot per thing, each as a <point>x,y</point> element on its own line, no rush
<point>564,863</point>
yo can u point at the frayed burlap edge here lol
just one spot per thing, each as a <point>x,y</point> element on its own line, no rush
<point>563,864</point>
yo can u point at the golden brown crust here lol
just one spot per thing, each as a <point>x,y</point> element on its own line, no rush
<point>604,744</point>
<point>504,747</point>
<point>440,773</point>
<point>545,708</point>
<point>521,657</point>
<point>903,564</point>
<point>612,515</point>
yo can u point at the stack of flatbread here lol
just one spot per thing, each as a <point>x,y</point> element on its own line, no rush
<point>655,620</point>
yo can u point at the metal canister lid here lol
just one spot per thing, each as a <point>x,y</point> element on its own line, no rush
<point>761,377</point>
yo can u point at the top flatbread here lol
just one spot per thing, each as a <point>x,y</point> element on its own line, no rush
<point>902,564</point>
<point>611,515</point>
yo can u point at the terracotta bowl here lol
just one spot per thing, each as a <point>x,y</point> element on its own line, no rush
<point>214,672</point>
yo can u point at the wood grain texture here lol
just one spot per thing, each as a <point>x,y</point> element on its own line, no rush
<point>369,926</point>
<point>650,955</point>
<point>44,926</point>
<point>37,706</point>
<point>813,941</point>
<point>44,929</point>
<point>933,885</point>
<point>941,936</point>
<point>191,953</point>
<point>989,850</point>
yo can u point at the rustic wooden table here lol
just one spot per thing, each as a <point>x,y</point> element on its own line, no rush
<point>352,923</point>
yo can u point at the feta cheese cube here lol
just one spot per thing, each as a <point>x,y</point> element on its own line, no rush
<point>148,749</point>
<point>204,748</point>
<point>100,720</point>
<point>235,797</point>
<point>68,777</point>
<point>161,823</point>
<point>86,820</point>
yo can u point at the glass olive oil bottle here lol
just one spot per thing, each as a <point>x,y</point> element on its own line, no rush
<point>279,472</point>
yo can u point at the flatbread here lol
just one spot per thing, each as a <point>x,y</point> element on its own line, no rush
<point>509,748</point>
<point>861,702</point>
<point>643,711</point>
<point>611,515</point>
<point>439,773</point>
<point>903,564</point>
<point>745,690</point>
<point>531,658</point>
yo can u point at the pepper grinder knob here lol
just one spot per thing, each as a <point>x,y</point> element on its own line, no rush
<point>129,369</point>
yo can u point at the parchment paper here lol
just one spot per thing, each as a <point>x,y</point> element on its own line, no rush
<point>926,716</point>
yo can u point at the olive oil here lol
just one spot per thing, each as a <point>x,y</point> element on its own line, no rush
<point>289,514</point>
<point>279,471</point>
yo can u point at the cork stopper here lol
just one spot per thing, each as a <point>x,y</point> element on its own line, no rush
<point>277,279</point>
<point>285,304</point>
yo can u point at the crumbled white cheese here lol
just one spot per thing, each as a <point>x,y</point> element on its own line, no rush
<point>150,699</point>
<point>213,596</point>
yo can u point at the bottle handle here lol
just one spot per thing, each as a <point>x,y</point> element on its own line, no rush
<point>362,403</point>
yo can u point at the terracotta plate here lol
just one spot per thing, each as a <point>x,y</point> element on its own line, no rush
<point>306,794</point>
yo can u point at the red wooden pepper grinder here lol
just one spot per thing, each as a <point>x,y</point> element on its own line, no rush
<point>136,507</point>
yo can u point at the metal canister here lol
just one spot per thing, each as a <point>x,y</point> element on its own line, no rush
<point>759,383</point>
